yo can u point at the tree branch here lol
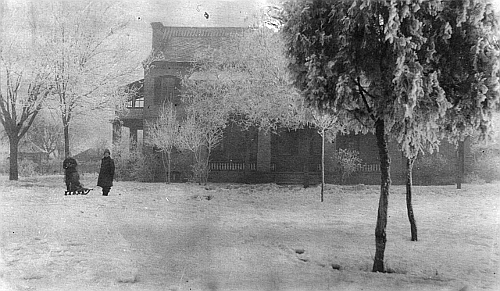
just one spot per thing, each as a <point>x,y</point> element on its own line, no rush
<point>362,92</point>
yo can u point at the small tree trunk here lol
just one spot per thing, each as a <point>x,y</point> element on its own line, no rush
<point>67,153</point>
<point>322,163</point>
<point>380,234</point>
<point>165,167</point>
<point>169,162</point>
<point>197,165</point>
<point>13,165</point>
<point>306,158</point>
<point>460,164</point>
<point>409,206</point>
<point>246,162</point>
<point>206,171</point>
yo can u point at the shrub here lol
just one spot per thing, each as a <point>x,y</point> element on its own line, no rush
<point>349,161</point>
<point>27,168</point>
<point>434,169</point>
<point>51,167</point>
<point>486,165</point>
<point>132,166</point>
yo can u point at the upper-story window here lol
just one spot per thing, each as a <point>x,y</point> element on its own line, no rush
<point>166,90</point>
<point>136,103</point>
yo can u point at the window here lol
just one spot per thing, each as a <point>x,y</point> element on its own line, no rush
<point>136,103</point>
<point>139,102</point>
<point>166,89</point>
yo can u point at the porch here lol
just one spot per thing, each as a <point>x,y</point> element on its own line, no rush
<point>227,171</point>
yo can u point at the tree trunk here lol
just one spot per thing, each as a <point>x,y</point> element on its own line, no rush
<point>460,164</point>
<point>206,172</point>
<point>246,162</point>
<point>409,206</point>
<point>169,162</point>
<point>13,165</point>
<point>385,183</point>
<point>322,163</point>
<point>67,153</point>
<point>306,158</point>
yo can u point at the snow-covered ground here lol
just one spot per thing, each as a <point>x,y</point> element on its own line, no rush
<point>243,237</point>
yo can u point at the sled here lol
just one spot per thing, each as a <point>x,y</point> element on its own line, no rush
<point>83,191</point>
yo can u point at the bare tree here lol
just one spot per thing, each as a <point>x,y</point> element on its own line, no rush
<point>24,79</point>
<point>163,134</point>
<point>208,111</point>
<point>46,133</point>
<point>328,126</point>
<point>89,53</point>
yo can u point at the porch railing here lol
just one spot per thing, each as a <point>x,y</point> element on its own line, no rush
<point>369,168</point>
<point>240,166</point>
<point>231,166</point>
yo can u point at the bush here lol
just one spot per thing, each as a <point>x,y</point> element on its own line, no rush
<point>27,168</point>
<point>486,165</point>
<point>349,161</point>
<point>434,169</point>
<point>51,167</point>
<point>132,166</point>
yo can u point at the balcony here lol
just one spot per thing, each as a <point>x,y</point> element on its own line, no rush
<point>132,113</point>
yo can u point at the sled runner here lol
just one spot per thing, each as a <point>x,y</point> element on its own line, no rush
<point>72,178</point>
<point>82,191</point>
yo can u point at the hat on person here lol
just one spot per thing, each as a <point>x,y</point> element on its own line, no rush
<point>107,151</point>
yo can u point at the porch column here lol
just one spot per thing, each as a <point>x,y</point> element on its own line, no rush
<point>264,151</point>
<point>330,162</point>
<point>117,132</point>
<point>133,137</point>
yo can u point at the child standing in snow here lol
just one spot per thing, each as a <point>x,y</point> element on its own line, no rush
<point>107,173</point>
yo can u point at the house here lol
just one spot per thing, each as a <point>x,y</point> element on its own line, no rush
<point>32,152</point>
<point>250,155</point>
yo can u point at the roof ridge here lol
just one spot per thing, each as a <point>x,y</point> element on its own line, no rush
<point>181,31</point>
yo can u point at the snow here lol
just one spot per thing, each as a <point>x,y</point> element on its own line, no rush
<point>154,236</point>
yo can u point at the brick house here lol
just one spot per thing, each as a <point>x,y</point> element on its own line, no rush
<point>250,155</point>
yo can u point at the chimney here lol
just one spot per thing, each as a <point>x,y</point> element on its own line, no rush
<point>157,35</point>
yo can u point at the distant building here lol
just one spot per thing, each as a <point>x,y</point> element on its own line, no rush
<point>32,152</point>
<point>251,155</point>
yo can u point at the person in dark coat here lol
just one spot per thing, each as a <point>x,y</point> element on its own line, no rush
<point>71,176</point>
<point>107,173</point>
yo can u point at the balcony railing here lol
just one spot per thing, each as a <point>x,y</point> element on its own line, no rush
<point>132,113</point>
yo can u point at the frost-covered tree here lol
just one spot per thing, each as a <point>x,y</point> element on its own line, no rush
<point>46,133</point>
<point>247,82</point>
<point>207,114</point>
<point>376,62</point>
<point>163,134</point>
<point>328,126</point>
<point>252,68</point>
<point>469,63</point>
<point>89,52</point>
<point>25,80</point>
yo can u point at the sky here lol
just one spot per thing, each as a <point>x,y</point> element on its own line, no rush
<point>191,13</point>
<point>141,13</point>
<point>231,13</point>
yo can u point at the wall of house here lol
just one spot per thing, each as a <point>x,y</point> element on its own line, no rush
<point>151,80</point>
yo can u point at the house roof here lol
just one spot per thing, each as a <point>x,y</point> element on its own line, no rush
<point>31,148</point>
<point>89,155</point>
<point>137,88</point>
<point>225,76</point>
<point>180,44</point>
